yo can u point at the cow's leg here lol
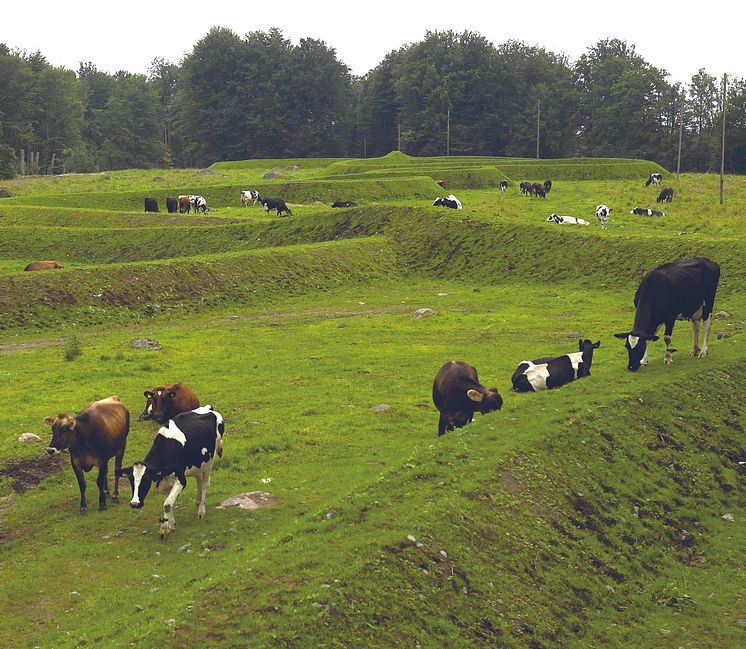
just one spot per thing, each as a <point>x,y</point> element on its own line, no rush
<point>706,337</point>
<point>668,358</point>
<point>695,338</point>
<point>117,466</point>
<point>442,425</point>
<point>644,359</point>
<point>81,481</point>
<point>203,483</point>
<point>168,522</point>
<point>103,486</point>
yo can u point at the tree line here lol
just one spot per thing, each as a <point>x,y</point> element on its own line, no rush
<point>261,96</point>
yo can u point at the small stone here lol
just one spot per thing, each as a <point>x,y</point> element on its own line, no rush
<point>574,334</point>
<point>382,407</point>
<point>75,593</point>
<point>170,622</point>
<point>144,343</point>
<point>722,314</point>
<point>728,517</point>
<point>154,576</point>
<point>423,313</point>
<point>28,437</point>
<point>329,515</point>
<point>723,334</point>
<point>185,547</point>
<point>411,538</point>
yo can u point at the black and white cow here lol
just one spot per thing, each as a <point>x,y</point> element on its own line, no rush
<point>666,195</point>
<point>602,214</point>
<point>679,290</point>
<point>151,204</point>
<point>186,446</point>
<point>654,179</point>
<point>548,373</point>
<point>199,204</point>
<point>644,211</point>
<point>537,189</point>
<point>525,188</point>
<point>250,195</point>
<point>449,201</point>
<point>547,186</point>
<point>567,220</point>
<point>503,185</point>
<point>275,204</point>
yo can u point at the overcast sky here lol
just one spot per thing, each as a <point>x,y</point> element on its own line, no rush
<point>680,37</point>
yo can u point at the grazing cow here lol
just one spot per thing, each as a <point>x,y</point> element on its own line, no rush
<point>666,195</point>
<point>441,183</point>
<point>458,394</point>
<point>275,204</point>
<point>602,214</point>
<point>185,204</point>
<point>547,186</point>
<point>43,265</point>
<point>449,201</point>
<point>94,436</point>
<point>172,204</point>
<point>567,220</point>
<point>186,447</point>
<point>166,401</point>
<point>151,204</point>
<point>344,204</point>
<point>654,179</point>
<point>644,211</point>
<point>679,290</point>
<point>250,195</point>
<point>548,373</point>
<point>199,204</point>
<point>537,189</point>
<point>504,185</point>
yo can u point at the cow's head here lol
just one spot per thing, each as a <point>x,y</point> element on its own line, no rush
<point>64,432</point>
<point>636,344</point>
<point>486,401</point>
<point>587,347</point>
<point>157,404</point>
<point>141,478</point>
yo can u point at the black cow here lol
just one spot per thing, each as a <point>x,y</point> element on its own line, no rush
<point>458,394</point>
<point>644,211</point>
<point>537,189</point>
<point>679,290</point>
<point>172,204</point>
<point>554,372</point>
<point>344,204</point>
<point>449,201</point>
<point>151,204</point>
<point>525,188</point>
<point>275,204</point>
<point>547,186</point>
<point>186,447</point>
<point>503,185</point>
<point>666,195</point>
<point>654,179</point>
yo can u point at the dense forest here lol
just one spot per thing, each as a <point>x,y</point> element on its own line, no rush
<point>261,96</point>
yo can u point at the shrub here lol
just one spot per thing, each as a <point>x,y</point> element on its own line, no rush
<point>72,349</point>
<point>7,162</point>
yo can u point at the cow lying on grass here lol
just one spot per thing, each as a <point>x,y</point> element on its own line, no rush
<point>548,373</point>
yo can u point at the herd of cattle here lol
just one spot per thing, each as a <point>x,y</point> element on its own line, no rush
<point>190,434</point>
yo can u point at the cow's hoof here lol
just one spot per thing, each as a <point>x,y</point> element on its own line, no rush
<point>83,510</point>
<point>668,361</point>
<point>115,499</point>
<point>200,514</point>
<point>695,352</point>
<point>102,507</point>
<point>703,354</point>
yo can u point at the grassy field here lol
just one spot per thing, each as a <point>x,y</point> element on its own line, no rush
<point>589,516</point>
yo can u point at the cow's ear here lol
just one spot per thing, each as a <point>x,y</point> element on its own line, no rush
<point>73,423</point>
<point>148,394</point>
<point>597,344</point>
<point>48,421</point>
<point>474,395</point>
<point>622,336</point>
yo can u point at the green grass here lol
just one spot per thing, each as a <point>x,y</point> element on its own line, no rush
<point>584,517</point>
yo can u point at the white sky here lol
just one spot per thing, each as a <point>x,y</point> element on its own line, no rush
<point>680,37</point>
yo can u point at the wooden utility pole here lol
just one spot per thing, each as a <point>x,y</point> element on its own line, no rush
<point>398,138</point>
<point>538,125</point>
<point>722,150</point>
<point>681,134</point>
<point>448,133</point>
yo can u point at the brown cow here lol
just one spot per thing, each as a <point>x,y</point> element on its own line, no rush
<point>43,265</point>
<point>93,436</point>
<point>185,203</point>
<point>167,401</point>
<point>458,394</point>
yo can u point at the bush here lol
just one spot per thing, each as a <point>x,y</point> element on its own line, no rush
<point>7,162</point>
<point>72,349</point>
